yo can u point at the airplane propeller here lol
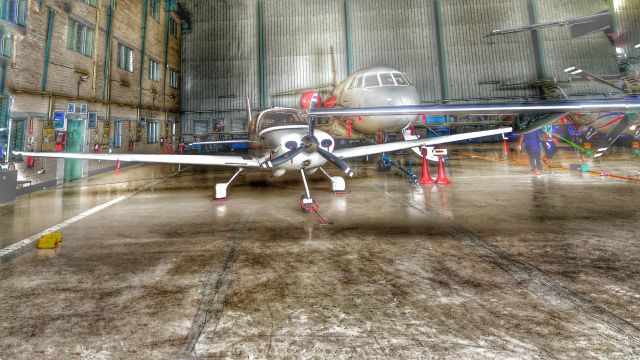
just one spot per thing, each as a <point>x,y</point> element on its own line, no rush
<point>309,144</point>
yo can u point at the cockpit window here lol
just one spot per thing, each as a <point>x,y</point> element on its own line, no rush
<point>371,80</point>
<point>279,118</point>
<point>400,79</point>
<point>386,79</point>
<point>355,83</point>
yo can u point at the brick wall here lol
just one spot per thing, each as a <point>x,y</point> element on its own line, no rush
<point>79,79</point>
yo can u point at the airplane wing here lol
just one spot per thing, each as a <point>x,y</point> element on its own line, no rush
<point>580,26</point>
<point>591,77</point>
<point>327,87</point>
<point>213,160</point>
<point>221,142</point>
<point>534,107</point>
<point>389,147</point>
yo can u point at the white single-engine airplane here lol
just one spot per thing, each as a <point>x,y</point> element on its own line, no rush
<point>285,139</point>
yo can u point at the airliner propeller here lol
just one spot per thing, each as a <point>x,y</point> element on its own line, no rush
<point>309,144</point>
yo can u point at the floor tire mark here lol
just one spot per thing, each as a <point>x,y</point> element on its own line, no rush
<point>538,283</point>
<point>215,287</point>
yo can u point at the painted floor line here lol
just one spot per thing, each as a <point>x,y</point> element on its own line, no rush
<point>32,239</point>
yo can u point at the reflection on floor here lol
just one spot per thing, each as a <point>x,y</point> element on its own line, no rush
<point>500,264</point>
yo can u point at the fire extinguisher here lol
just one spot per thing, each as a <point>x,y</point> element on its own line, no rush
<point>130,145</point>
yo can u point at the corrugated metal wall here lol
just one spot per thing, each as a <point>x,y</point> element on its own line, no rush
<point>629,24</point>
<point>221,63</point>
<point>593,53</point>
<point>298,40</point>
<point>219,60</point>
<point>403,36</point>
<point>473,59</point>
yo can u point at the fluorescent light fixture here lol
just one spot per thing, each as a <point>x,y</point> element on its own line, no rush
<point>637,46</point>
<point>576,72</point>
<point>633,127</point>
<point>570,69</point>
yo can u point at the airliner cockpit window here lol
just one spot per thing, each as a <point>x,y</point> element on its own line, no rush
<point>355,83</point>
<point>400,79</point>
<point>371,80</point>
<point>280,118</point>
<point>387,79</point>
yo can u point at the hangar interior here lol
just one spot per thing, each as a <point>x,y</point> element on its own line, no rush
<point>203,179</point>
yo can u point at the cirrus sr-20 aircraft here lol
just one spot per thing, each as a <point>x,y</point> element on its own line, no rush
<point>283,139</point>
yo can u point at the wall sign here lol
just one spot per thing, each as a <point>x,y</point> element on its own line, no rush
<point>71,108</point>
<point>58,119</point>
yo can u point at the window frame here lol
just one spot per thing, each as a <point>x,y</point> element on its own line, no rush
<point>155,9</point>
<point>173,27</point>
<point>15,11</point>
<point>129,62</point>
<point>117,134</point>
<point>80,31</point>
<point>153,132</point>
<point>153,64</point>
<point>174,78</point>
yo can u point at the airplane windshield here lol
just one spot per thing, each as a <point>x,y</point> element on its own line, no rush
<point>400,79</point>
<point>387,79</point>
<point>279,118</point>
<point>371,80</point>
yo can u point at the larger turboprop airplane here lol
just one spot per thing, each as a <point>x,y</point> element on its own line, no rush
<point>369,87</point>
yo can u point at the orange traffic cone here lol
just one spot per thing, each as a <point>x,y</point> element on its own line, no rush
<point>442,174</point>
<point>426,175</point>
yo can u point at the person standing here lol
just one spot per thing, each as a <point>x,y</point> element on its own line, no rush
<point>533,144</point>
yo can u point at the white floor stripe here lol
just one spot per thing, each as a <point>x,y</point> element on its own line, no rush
<point>30,240</point>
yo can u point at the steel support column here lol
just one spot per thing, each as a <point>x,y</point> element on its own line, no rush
<point>347,36</point>
<point>261,56</point>
<point>442,55</point>
<point>538,50</point>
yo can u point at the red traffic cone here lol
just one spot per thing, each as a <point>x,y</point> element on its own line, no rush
<point>505,147</point>
<point>426,175</point>
<point>442,174</point>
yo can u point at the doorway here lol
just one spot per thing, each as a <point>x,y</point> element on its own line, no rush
<point>75,141</point>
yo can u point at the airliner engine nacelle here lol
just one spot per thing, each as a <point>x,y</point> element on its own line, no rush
<point>310,100</point>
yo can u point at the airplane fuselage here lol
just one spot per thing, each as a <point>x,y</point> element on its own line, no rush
<point>374,87</point>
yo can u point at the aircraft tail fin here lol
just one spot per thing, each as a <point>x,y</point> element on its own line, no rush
<point>334,68</point>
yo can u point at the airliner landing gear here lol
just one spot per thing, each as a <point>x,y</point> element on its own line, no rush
<point>337,182</point>
<point>221,188</point>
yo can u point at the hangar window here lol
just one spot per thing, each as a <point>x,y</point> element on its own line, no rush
<point>80,38</point>
<point>93,3</point>
<point>154,70</point>
<point>154,9</point>
<point>125,58</point>
<point>371,80</point>
<point>174,79</point>
<point>14,11</point>
<point>400,79</point>
<point>152,132</point>
<point>386,79</point>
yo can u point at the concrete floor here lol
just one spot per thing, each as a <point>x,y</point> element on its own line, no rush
<point>501,264</point>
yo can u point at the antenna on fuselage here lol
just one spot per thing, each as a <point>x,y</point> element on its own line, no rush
<point>248,112</point>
